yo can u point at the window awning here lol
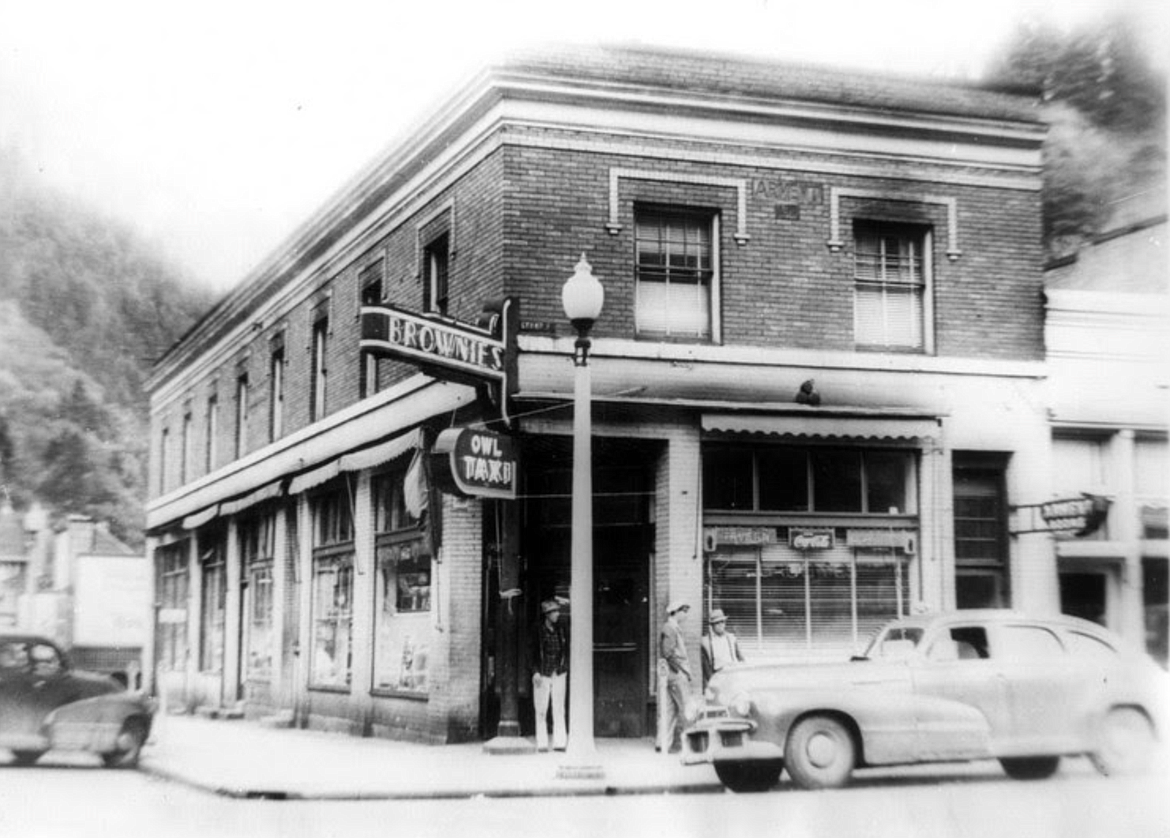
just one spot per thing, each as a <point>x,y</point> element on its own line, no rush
<point>198,519</point>
<point>376,455</point>
<point>316,477</point>
<point>823,427</point>
<point>267,492</point>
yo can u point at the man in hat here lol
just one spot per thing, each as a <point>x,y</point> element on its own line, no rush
<point>674,653</point>
<point>720,647</point>
<point>550,663</point>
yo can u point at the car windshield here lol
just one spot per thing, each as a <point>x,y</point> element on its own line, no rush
<point>894,642</point>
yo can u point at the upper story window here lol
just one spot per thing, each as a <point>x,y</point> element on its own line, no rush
<point>370,285</point>
<point>163,452</point>
<point>891,276</point>
<point>436,275</point>
<point>276,393</point>
<point>212,449</point>
<point>241,414</point>
<point>319,368</point>
<point>188,442</point>
<point>676,282</point>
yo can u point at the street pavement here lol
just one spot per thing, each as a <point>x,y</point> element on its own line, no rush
<point>246,759</point>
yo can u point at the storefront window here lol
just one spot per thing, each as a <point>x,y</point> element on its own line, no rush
<point>173,580</point>
<point>331,655</point>
<point>403,592</point>
<point>214,588</point>
<point>257,536</point>
<point>981,549</point>
<point>785,606</point>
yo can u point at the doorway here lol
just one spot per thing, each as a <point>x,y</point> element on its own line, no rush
<point>1084,595</point>
<point>623,541</point>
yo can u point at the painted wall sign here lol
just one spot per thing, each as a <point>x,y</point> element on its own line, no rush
<point>810,538</point>
<point>482,354</point>
<point>714,537</point>
<point>471,462</point>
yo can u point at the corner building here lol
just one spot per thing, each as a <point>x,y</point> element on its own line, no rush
<point>817,390</point>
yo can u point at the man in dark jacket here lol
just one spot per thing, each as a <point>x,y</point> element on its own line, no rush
<point>550,665</point>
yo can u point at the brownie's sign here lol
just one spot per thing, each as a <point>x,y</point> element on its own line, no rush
<point>483,354</point>
<point>475,463</point>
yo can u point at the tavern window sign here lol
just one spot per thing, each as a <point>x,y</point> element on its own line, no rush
<point>1076,517</point>
<point>482,354</point>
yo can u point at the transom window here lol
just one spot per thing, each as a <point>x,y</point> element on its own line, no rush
<point>675,273</point>
<point>789,479</point>
<point>891,271</point>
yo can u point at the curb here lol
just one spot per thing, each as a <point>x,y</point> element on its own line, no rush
<point>258,793</point>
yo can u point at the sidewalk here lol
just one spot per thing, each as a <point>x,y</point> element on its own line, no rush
<point>245,759</point>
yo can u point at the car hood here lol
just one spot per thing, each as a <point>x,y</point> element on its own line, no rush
<point>753,677</point>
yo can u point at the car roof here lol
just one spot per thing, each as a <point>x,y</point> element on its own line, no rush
<point>998,615</point>
<point>22,637</point>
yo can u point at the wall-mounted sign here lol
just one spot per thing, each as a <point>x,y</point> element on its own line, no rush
<point>810,538</point>
<point>715,537</point>
<point>471,462</point>
<point>482,354</point>
<point>1068,516</point>
<point>901,539</point>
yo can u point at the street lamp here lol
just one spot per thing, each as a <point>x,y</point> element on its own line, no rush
<point>582,297</point>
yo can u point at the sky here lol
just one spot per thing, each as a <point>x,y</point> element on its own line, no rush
<point>215,128</point>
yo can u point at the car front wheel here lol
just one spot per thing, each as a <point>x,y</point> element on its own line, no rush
<point>749,775</point>
<point>128,747</point>
<point>1030,768</point>
<point>26,757</point>
<point>820,753</point>
<point>1126,743</point>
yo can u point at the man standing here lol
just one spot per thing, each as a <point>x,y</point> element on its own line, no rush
<point>550,663</point>
<point>720,647</point>
<point>674,654</point>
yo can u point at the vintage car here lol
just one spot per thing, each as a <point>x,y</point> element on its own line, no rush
<point>958,686</point>
<point>46,704</point>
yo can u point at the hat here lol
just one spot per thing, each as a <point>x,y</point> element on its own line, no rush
<point>676,606</point>
<point>717,616</point>
<point>549,605</point>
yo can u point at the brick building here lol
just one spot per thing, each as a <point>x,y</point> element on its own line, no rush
<point>818,387</point>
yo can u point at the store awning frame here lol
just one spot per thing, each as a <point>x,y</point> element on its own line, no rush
<point>811,426</point>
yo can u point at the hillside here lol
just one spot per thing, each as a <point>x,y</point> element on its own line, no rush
<point>85,308</point>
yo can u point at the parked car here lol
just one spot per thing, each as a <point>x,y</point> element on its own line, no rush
<point>958,686</point>
<point>47,704</point>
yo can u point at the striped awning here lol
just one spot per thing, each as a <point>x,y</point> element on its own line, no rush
<point>203,516</point>
<point>266,492</point>
<point>377,455</point>
<point>823,427</point>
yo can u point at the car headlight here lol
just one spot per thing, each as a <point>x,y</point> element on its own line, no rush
<point>740,704</point>
<point>709,695</point>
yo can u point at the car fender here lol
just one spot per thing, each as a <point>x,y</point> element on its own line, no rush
<point>93,724</point>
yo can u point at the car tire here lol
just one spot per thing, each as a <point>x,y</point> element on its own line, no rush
<point>1125,743</point>
<point>1030,768</point>
<point>23,758</point>
<point>749,775</point>
<point>820,753</point>
<point>129,746</point>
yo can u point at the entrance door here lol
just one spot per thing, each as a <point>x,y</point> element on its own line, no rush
<point>1083,595</point>
<point>622,539</point>
<point>619,635</point>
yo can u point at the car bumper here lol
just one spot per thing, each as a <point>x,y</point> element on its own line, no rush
<point>725,740</point>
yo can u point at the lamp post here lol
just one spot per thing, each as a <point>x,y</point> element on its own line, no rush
<point>582,297</point>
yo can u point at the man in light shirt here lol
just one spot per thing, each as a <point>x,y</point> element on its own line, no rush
<point>719,646</point>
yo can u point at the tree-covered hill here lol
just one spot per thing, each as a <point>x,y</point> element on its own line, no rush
<point>85,308</point>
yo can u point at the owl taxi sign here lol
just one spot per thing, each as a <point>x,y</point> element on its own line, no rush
<point>472,462</point>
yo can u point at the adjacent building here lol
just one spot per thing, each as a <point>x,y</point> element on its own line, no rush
<point>1108,308</point>
<point>819,390</point>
